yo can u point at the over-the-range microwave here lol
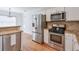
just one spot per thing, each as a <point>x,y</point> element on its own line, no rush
<point>58,16</point>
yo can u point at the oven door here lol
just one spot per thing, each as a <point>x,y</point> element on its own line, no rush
<point>56,40</point>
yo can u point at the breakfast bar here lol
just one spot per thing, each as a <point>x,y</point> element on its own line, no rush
<point>10,38</point>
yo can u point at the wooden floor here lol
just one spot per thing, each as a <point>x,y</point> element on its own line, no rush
<point>29,45</point>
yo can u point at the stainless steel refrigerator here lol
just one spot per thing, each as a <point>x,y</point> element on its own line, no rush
<point>38,28</point>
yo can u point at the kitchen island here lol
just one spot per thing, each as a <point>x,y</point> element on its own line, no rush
<point>10,38</point>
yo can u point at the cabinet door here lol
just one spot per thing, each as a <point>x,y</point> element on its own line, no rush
<point>48,14</point>
<point>46,36</point>
<point>75,43</point>
<point>18,41</point>
<point>68,42</point>
<point>72,13</point>
<point>6,43</point>
<point>58,9</point>
<point>0,43</point>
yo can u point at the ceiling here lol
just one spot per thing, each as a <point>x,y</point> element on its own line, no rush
<point>22,9</point>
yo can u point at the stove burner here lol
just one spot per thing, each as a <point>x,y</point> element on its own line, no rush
<point>59,30</point>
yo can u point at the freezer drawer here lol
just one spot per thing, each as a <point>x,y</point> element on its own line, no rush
<point>37,37</point>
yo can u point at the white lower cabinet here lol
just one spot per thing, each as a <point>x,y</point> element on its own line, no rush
<point>46,36</point>
<point>72,13</point>
<point>75,43</point>
<point>71,43</point>
<point>68,42</point>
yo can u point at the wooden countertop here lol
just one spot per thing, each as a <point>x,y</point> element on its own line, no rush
<point>9,32</point>
<point>71,31</point>
<point>8,27</point>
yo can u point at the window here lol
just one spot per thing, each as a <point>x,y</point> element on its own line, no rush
<point>7,21</point>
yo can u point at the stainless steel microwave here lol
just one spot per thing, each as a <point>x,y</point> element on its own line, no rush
<point>58,16</point>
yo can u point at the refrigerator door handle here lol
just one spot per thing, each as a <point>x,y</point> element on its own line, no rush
<point>36,23</point>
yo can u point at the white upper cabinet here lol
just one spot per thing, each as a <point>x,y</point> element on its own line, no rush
<point>52,11</point>
<point>58,9</point>
<point>48,13</point>
<point>72,13</point>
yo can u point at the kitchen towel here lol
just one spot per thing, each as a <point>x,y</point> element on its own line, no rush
<point>13,39</point>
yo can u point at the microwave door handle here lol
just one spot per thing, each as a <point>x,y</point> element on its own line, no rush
<point>62,16</point>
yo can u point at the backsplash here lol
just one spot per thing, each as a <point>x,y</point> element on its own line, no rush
<point>70,25</point>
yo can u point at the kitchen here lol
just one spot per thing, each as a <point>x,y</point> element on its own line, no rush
<point>57,28</point>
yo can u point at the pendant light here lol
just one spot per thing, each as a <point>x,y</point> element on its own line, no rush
<point>10,12</point>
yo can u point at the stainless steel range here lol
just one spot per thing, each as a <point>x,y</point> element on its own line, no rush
<point>56,36</point>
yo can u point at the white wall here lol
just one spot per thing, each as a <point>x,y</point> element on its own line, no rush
<point>27,23</point>
<point>27,19</point>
